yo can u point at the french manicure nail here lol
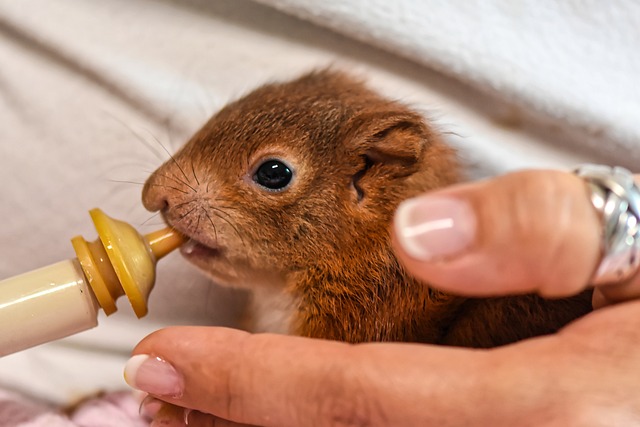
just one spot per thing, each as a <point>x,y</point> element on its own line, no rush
<point>153,375</point>
<point>431,227</point>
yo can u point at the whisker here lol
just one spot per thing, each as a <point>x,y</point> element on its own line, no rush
<point>139,137</point>
<point>157,224</point>
<point>125,182</point>
<point>174,161</point>
<point>225,207</point>
<point>114,190</point>
<point>175,179</point>
<point>225,203</point>
<point>224,200</point>
<point>155,215</point>
<point>215,231</point>
<point>186,214</point>
<point>194,173</point>
<point>118,164</point>
<point>179,205</point>
<point>170,187</point>
<point>231,225</point>
<point>220,210</point>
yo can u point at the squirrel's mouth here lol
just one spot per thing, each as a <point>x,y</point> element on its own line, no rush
<point>194,249</point>
<point>211,261</point>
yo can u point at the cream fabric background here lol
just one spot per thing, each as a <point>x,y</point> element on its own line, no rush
<point>82,83</point>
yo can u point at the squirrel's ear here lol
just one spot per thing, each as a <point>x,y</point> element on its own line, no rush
<point>397,141</point>
<point>394,144</point>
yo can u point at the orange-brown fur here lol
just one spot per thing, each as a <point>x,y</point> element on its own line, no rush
<point>324,242</point>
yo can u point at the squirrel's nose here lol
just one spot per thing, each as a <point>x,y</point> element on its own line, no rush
<point>155,194</point>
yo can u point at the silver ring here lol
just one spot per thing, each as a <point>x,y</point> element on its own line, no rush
<point>617,199</point>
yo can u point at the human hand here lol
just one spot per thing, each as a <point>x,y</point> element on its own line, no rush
<point>538,226</point>
<point>532,231</point>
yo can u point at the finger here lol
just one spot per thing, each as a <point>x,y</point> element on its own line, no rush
<point>614,293</point>
<point>200,419</point>
<point>149,407</point>
<point>533,231</point>
<point>168,415</point>
<point>271,380</point>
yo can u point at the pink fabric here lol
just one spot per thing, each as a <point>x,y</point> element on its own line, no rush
<point>111,410</point>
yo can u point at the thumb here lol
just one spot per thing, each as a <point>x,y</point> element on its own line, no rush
<point>533,231</point>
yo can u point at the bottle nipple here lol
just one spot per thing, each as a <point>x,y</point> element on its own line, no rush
<point>122,262</point>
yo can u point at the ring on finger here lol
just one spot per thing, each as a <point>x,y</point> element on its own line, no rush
<point>616,197</point>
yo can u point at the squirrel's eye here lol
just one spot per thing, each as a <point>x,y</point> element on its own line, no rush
<point>273,174</point>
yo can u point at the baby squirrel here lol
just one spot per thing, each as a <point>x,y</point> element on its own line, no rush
<point>291,191</point>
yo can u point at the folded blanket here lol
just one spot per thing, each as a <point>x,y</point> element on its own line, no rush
<point>110,410</point>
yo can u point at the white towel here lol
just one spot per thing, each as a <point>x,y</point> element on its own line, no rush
<point>571,66</point>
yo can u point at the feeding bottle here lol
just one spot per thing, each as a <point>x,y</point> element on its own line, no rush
<point>64,298</point>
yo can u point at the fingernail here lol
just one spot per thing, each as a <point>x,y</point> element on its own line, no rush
<point>153,375</point>
<point>430,227</point>
<point>171,416</point>
<point>149,408</point>
<point>186,414</point>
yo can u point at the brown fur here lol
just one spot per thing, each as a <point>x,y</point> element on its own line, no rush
<point>324,242</point>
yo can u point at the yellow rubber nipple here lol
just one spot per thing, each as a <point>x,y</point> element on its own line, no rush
<point>121,261</point>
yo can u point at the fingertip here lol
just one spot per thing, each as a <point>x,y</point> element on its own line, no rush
<point>529,231</point>
<point>149,407</point>
<point>153,375</point>
<point>431,228</point>
<point>131,368</point>
<point>434,234</point>
<point>169,415</point>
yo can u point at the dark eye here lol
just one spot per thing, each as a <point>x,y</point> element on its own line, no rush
<point>273,174</point>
